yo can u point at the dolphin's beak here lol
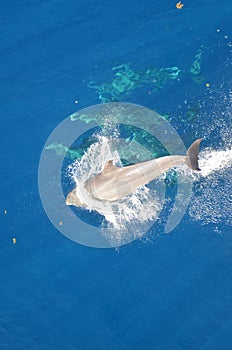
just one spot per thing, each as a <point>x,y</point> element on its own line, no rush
<point>72,199</point>
<point>67,201</point>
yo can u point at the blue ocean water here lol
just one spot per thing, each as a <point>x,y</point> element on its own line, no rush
<point>173,292</point>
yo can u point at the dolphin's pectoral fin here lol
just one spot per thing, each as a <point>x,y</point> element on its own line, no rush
<point>109,167</point>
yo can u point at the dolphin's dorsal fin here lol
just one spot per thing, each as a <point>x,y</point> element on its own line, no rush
<point>108,167</point>
<point>193,153</point>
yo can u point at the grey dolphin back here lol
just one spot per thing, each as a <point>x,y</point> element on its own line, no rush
<point>193,153</point>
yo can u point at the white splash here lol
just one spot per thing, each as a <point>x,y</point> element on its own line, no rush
<point>212,200</point>
<point>124,217</point>
<point>213,161</point>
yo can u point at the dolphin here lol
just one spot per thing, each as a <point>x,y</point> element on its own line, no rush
<point>114,183</point>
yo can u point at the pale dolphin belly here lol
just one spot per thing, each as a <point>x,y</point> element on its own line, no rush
<point>121,181</point>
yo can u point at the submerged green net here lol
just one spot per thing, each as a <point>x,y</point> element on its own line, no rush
<point>127,79</point>
<point>195,69</point>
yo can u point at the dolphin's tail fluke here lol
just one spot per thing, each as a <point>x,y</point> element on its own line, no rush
<point>192,155</point>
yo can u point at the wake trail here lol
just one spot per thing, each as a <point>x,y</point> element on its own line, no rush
<point>213,161</point>
<point>212,199</point>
